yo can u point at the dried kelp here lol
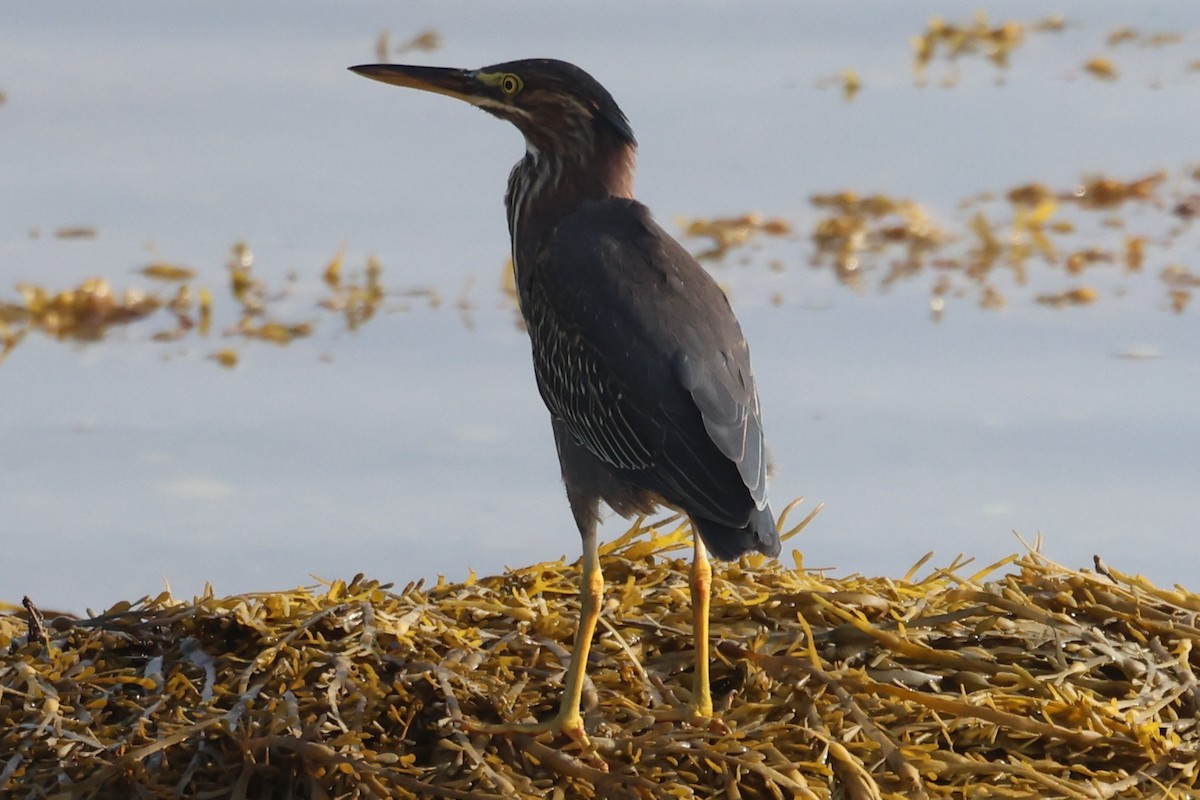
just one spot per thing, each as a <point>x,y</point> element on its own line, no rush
<point>728,233</point>
<point>90,311</point>
<point>1024,679</point>
<point>948,41</point>
<point>1007,243</point>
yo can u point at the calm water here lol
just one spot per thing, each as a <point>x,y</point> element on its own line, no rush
<point>417,445</point>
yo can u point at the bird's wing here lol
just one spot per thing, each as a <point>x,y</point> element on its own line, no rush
<point>637,350</point>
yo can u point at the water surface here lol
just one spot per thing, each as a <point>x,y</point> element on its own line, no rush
<point>417,445</point>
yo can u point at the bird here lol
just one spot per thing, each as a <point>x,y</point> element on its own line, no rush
<point>637,353</point>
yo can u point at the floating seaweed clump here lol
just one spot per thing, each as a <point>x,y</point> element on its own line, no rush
<point>1025,679</point>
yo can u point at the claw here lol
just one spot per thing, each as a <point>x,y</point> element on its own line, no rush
<point>694,714</point>
<point>568,724</point>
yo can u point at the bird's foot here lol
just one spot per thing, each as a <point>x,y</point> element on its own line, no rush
<point>569,724</point>
<point>698,715</point>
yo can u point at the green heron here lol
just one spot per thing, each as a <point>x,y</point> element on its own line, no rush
<point>637,353</point>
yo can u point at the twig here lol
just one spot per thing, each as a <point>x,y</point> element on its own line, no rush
<point>37,628</point>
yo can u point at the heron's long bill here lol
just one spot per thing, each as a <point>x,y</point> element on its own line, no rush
<point>458,83</point>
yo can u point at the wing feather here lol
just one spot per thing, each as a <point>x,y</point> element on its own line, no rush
<point>638,352</point>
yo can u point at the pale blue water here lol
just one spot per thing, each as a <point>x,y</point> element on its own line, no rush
<point>418,445</point>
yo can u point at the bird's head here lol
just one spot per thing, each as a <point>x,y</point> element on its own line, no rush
<point>562,111</point>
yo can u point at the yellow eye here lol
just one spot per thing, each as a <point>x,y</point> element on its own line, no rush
<point>510,84</point>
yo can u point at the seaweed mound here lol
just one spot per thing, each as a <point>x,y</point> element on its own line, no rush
<point>1024,679</point>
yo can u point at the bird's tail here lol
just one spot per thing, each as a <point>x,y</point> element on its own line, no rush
<point>727,543</point>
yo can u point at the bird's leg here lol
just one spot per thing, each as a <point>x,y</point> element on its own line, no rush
<point>569,720</point>
<point>591,592</point>
<point>699,709</point>
<point>700,706</point>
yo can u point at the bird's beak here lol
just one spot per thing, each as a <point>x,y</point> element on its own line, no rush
<point>458,83</point>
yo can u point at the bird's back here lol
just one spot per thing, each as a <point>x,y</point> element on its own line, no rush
<point>638,352</point>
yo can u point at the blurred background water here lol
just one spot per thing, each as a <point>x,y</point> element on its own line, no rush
<point>417,444</point>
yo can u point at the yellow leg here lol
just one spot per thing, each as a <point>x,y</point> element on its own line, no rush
<point>699,710</point>
<point>569,720</point>
<point>701,706</point>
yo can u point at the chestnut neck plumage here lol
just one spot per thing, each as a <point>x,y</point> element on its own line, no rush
<point>557,178</point>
